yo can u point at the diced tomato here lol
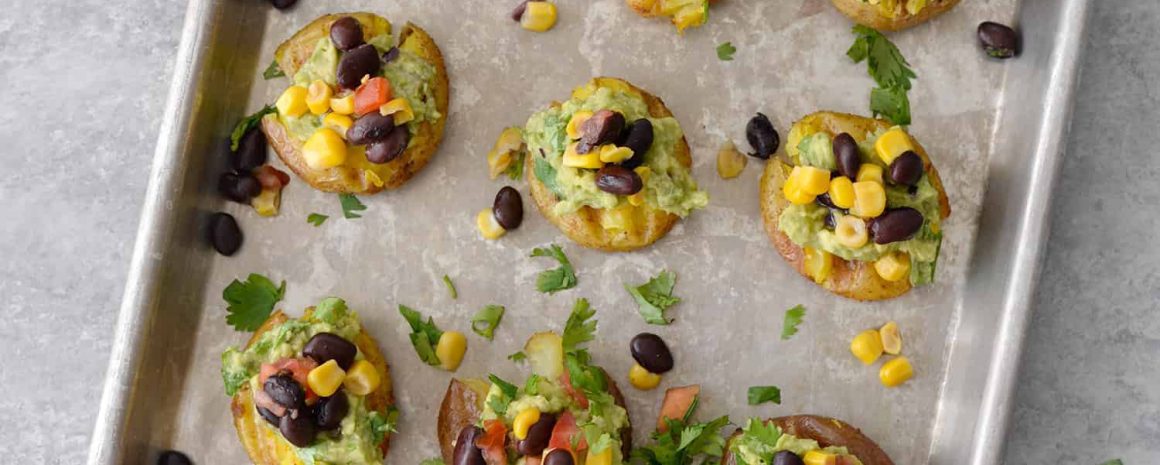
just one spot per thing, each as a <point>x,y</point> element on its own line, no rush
<point>270,177</point>
<point>565,432</point>
<point>676,403</point>
<point>298,368</point>
<point>492,442</point>
<point>371,95</point>
<point>578,396</point>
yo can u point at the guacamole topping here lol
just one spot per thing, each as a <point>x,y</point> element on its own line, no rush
<point>759,441</point>
<point>894,8</point>
<point>669,186</point>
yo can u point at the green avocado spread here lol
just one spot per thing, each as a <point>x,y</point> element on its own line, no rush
<point>805,225</point>
<point>759,441</point>
<point>669,186</point>
<point>361,431</point>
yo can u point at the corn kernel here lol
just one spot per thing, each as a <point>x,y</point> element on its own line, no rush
<point>891,338</point>
<point>400,108</point>
<point>643,379</point>
<point>636,199</point>
<point>373,178</point>
<point>324,149</point>
<point>869,172</point>
<point>343,105</point>
<point>267,202</point>
<point>576,123</point>
<point>819,457</point>
<point>644,172</point>
<point>842,192</point>
<point>509,143</point>
<point>818,263</point>
<point>613,154</point>
<point>895,372</point>
<point>539,16</point>
<point>588,160</point>
<point>488,226</point>
<point>338,122</point>
<point>869,199</point>
<point>450,349</point>
<point>318,97</point>
<point>893,267</point>
<point>325,379</point>
<point>812,180</point>
<point>603,457</point>
<point>851,231</point>
<point>891,144</point>
<point>867,346</point>
<point>730,162</point>
<point>524,421</point>
<point>362,378</point>
<point>795,195</point>
<point>292,102</point>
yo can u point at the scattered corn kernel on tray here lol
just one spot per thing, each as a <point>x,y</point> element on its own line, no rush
<point>993,128</point>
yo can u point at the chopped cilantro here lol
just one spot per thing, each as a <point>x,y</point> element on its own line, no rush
<point>763,394</point>
<point>518,357</point>
<point>508,392</point>
<point>654,297</point>
<point>556,279</point>
<point>547,175</point>
<point>515,171</point>
<point>725,51</point>
<point>890,71</point>
<point>350,205</point>
<point>793,318</point>
<point>251,302</point>
<point>424,335</point>
<point>316,219</point>
<point>381,424</point>
<point>579,329</point>
<point>683,443</point>
<point>486,320</point>
<point>273,71</point>
<point>450,287</point>
<point>246,124</point>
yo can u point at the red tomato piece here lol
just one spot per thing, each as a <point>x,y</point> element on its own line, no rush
<point>492,442</point>
<point>576,395</point>
<point>676,403</point>
<point>371,95</point>
<point>565,432</point>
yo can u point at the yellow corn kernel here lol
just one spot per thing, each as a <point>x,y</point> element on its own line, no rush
<point>643,379</point>
<point>891,338</point>
<point>324,149</point>
<point>318,97</point>
<point>644,172</point>
<point>603,457</point>
<point>509,143</point>
<point>292,102</point>
<point>325,379</point>
<point>488,226</point>
<point>795,195</point>
<point>893,267</point>
<point>813,181</point>
<point>267,202</point>
<point>869,172</point>
<point>842,192</point>
<point>400,108</point>
<point>338,122</point>
<point>524,421</point>
<point>636,199</point>
<point>819,457</point>
<point>869,199</point>
<point>373,178</point>
<point>613,154</point>
<point>588,160</point>
<point>851,231</point>
<point>576,123</point>
<point>450,349</point>
<point>730,162</point>
<point>362,378</point>
<point>343,105</point>
<point>539,16</point>
<point>867,346</point>
<point>895,372</point>
<point>891,144</point>
<point>818,263</point>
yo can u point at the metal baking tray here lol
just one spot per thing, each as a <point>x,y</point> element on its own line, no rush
<point>994,129</point>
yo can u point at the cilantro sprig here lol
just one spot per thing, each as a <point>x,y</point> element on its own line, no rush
<point>248,123</point>
<point>725,51</point>
<point>486,320</point>
<point>316,219</point>
<point>890,71</point>
<point>424,335</point>
<point>450,287</point>
<point>350,206</point>
<point>654,297</point>
<point>684,442</point>
<point>251,302</point>
<point>556,279</point>
<point>793,318</point>
<point>507,393</point>
<point>761,394</point>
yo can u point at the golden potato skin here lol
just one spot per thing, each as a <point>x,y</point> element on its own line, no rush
<point>266,446</point>
<point>869,15</point>
<point>649,8</point>
<point>851,279</point>
<point>828,432</point>
<point>583,225</point>
<point>352,177</point>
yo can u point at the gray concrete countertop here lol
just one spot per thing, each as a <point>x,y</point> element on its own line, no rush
<point>77,159</point>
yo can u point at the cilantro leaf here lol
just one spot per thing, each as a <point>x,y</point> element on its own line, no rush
<point>684,442</point>
<point>890,70</point>
<point>508,392</point>
<point>654,297</point>
<point>793,318</point>
<point>424,335</point>
<point>725,51</point>
<point>547,175</point>
<point>450,287</point>
<point>350,205</point>
<point>892,103</point>
<point>532,385</point>
<point>579,329</point>
<point>556,279</point>
<point>273,71</point>
<point>381,424</point>
<point>763,394</point>
<point>316,219</point>
<point>246,124</point>
<point>518,357</point>
<point>251,302</point>
<point>486,320</point>
<point>515,171</point>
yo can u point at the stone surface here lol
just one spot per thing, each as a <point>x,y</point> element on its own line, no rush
<point>81,149</point>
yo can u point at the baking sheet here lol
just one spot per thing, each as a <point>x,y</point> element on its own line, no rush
<point>963,333</point>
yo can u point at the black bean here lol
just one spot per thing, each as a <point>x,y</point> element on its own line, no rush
<point>172,457</point>
<point>239,187</point>
<point>518,13</point>
<point>251,151</point>
<point>508,208</point>
<point>896,224</point>
<point>391,147</point>
<point>651,352</point>
<point>786,457</point>
<point>285,391</point>
<point>906,169</point>
<point>829,221</point>
<point>616,179</point>
<point>324,347</point>
<point>346,33</point>
<point>298,427</point>
<point>269,416</point>
<point>538,436</point>
<point>330,411</point>
<point>998,40</point>
<point>466,452</point>
<point>824,200</point>
<point>369,128</point>
<point>283,4</point>
<point>559,457</point>
<point>762,137</point>
<point>603,127</point>
<point>637,136</point>
<point>356,63</point>
<point>224,233</point>
<point>390,55</point>
<point>847,155</point>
